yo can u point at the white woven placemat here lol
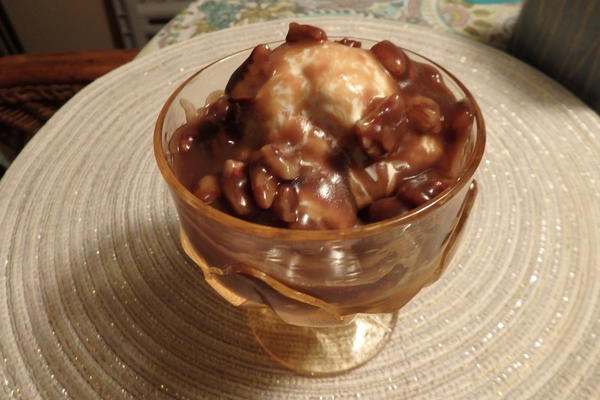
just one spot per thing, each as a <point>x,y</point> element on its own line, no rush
<point>97,300</point>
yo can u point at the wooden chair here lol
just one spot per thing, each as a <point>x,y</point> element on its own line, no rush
<point>34,86</point>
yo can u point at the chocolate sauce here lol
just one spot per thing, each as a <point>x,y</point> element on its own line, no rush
<point>317,134</point>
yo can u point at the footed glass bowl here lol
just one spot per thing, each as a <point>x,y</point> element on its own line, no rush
<point>319,302</point>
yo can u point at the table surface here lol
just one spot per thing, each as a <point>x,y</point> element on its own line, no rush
<point>489,21</point>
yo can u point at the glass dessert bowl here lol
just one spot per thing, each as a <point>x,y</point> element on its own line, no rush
<point>322,301</point>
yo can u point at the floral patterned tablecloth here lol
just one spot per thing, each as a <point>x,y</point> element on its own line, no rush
<point>490,21</point>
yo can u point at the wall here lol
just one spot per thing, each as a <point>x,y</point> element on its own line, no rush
<point>60,25</point>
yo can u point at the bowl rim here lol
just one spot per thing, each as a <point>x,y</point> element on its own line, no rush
<point>288,234</point>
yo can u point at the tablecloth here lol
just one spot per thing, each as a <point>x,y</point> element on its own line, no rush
<point>489,21</point>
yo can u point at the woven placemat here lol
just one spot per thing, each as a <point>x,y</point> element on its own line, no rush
<point>98,301</point>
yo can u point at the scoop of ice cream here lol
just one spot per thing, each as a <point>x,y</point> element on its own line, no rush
<point>303,101</point>
<point>325,85</point>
